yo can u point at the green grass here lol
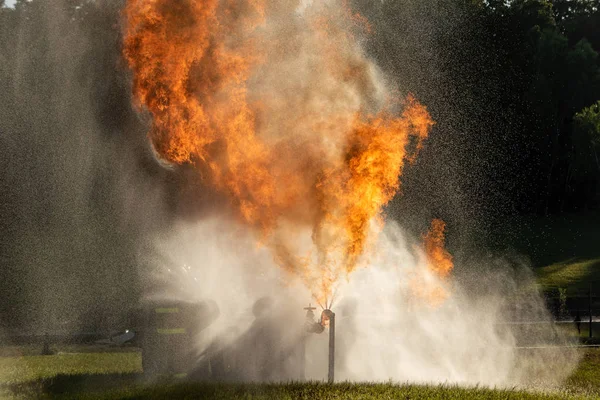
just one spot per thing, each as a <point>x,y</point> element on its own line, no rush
<point>310,391</point>
<point>14,370</point>
<point>87,376</point>
<point>35,350</point>
<point>587,375</point>
<point>573,275</point>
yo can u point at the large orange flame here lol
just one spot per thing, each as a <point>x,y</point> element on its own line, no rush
<point>278,107</point>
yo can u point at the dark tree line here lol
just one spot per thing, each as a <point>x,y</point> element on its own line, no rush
<point>81,194</point>
<point>510,84</point>
<point>71,160</point>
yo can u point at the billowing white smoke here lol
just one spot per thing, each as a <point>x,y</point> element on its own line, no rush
<point>384,330</point>
<point>393,334</point>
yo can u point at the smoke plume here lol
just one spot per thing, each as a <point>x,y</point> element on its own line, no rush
<point>277,106</point>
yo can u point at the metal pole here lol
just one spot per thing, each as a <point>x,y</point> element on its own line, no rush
<point>590,308</point>
<point>331,316</point>
<point>318,327</point>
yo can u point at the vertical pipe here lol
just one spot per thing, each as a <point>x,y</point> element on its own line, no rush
<point>331,316</point>
<point>590,308</point>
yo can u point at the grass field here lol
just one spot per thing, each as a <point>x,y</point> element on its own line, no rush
<point>102,375</point>
<point>311,391</point>
<point>573,275</point>
<point>15,370</point>
<point>587,375</point>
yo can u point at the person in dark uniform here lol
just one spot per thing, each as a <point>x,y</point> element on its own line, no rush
<point>578,323</point>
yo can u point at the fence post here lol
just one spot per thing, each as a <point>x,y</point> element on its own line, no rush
<point>590,308</point>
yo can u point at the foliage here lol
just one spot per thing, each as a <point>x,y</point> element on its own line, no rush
<point>586,146</point>
<point>503,80</point>
<point>587,124</point>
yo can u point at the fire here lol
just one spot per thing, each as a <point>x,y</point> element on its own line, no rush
<point>440,260</point>
<point>277,107</point>
<point>440,265</point>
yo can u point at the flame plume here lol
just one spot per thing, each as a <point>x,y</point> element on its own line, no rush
<point>429,284</point>
<point>440,260</point>
<point>276,105</point>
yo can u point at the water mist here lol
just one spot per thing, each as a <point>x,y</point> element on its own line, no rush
<point>278,109</point>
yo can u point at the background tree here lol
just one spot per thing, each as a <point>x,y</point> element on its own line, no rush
<point>586,156</point>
